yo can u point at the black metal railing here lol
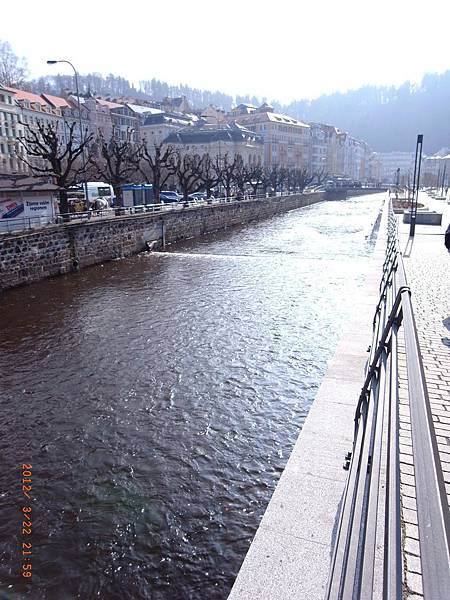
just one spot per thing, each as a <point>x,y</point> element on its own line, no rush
<point>371,511</point>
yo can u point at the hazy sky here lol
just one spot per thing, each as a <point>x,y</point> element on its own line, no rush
<point>283,50</point>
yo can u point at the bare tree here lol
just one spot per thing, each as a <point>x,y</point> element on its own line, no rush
<point>277,177</point>
<point>255,177</point>
<point>188,172</point>
<point>241,175</point>
<point>226,167</point>
<point>290,179</point>
<point>265,179</point>
<point>47,155</point>
<point>158,166</point>
<point>321,175</point>
<point>210,174</point>
<point>302,178</point>
<point>116,162</point>
<point>13,70</point>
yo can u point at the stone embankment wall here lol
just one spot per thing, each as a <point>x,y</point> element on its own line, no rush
<point>365,191</point>
<point>33,255</point>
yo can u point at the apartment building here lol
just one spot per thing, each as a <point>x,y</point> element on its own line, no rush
<point>157,127</point>
<point>10,130</point>
<point>318,149</point>
<point>436,169</point>
<point>356,158</point>
<point>391,161</point>
<point>70,115</point>
<point>286,140</point>
<point>229,139</point>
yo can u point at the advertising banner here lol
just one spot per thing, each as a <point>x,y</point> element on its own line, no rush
<point>17,214</point>
<point>11,209</point>
<point>38,208</point>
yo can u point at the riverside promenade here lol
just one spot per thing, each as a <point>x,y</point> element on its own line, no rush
<point>427,265</point>
<point>291,553</point>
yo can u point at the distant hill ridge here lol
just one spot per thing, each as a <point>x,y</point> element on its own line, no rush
<point>387,118</point>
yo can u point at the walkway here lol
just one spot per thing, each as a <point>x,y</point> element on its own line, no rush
<point>427,265</point>
<point>289,558</point>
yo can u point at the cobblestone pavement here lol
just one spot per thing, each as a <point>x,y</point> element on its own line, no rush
<point>427,266</point>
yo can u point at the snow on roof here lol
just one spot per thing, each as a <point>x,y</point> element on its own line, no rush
<point>142,110</point>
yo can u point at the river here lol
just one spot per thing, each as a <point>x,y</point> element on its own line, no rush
<point>158,398</point>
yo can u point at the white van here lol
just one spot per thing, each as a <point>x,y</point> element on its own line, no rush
<point>99,190</point>
<point>95,190</point>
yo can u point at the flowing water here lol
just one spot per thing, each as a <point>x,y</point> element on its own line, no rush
<point>158,398</point>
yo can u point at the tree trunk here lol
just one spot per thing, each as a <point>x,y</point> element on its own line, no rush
<point>63,203</point>
<point>118,194</point>
<point>156,187</point>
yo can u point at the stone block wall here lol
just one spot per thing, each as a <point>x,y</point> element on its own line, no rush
<point>33,255</point>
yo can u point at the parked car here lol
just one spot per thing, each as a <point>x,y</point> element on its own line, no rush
<point>197,196</point>
<point>168,196</point>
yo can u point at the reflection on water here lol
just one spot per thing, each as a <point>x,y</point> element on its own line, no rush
<point>158,399</point>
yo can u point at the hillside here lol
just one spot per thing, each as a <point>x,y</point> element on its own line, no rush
<point>387,118</point>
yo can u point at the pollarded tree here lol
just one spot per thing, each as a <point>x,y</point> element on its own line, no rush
<point>157,165</point>
<point>321,175</point>
<point>277,177</point>
<point>210,174</point>
<point>241,174</point>
<point>48,153</point>
<point>302,178</point>
<point>255,177</point>
<point>265,179</point>
<point>188,172</point>
<point>116,162</point>
<point>226,168</point>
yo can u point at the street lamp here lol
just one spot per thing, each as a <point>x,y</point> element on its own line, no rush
<point>53,62</point>
<point>416,184</point>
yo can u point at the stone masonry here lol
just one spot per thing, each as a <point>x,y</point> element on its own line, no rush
<point>33,255</point>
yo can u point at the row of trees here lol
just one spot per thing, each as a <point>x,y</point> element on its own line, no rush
<point>62,156</point>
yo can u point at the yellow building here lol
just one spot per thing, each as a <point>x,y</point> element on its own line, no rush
<point>286,140</point>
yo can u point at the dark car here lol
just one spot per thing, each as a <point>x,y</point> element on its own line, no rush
<point>198,196</point>
<point>168,196</point>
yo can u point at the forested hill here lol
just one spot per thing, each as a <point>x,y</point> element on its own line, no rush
<point>388,118</point>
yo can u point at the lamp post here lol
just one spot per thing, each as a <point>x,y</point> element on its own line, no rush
<point>416,184</point>
<point>397,182</point>
<point>53,62</point>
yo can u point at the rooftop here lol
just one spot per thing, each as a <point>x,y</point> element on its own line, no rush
<point>166,117</point>
<point>29,96</point>
<point>142,110</point>
<point>210,133</point>
<point>108,103</point>
<point>56,101</point>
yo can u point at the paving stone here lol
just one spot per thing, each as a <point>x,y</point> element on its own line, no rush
<point>408,502</point>
<point>414,582</point>
<point>409,516</point>
<point>412,546</point>
<point>413,563</point>
<point>412,531</point>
